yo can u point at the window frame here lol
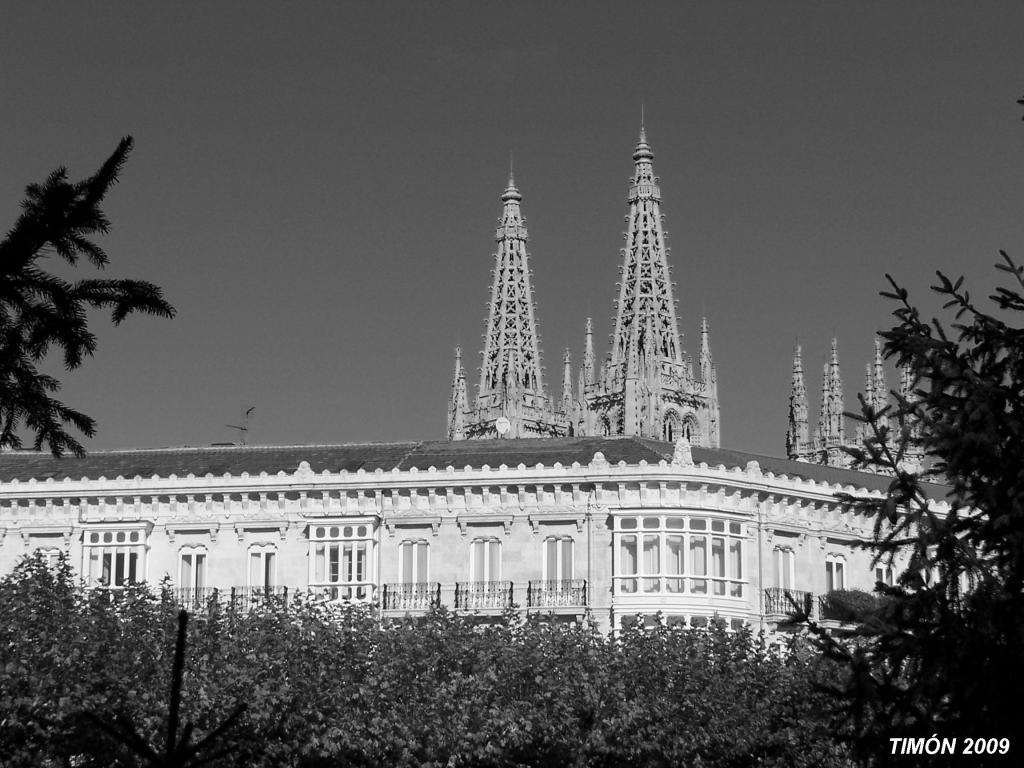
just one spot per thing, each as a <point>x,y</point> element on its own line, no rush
<point>562,573</point>
<point>784,566</point>
<point>420,548</point>
<point>127,541</point>
<point>835,563</point>
<point>480,543</point>
<point>721,541</point>
<point>343,558</point>
<point>194,551</point>
<point>264,551</point>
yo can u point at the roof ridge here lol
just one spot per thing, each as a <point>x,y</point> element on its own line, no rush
<point>197,448</point>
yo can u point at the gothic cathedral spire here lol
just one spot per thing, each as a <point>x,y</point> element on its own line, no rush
<point>798,436</point>
<point>647,387</point>
<point>511,400</point>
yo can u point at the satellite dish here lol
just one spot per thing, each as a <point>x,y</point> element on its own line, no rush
<point>503,425</point>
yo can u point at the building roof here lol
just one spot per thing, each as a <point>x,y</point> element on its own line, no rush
<point>254,459</point>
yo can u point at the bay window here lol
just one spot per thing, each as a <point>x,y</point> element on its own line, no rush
<point>674,554</point>
<point>341,560</point>
<point>114,558</point>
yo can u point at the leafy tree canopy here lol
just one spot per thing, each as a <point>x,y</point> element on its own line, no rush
<point>327,686</point>
<point>40,310</point>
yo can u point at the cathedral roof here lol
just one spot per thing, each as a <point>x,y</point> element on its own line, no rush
<point>254,459</point>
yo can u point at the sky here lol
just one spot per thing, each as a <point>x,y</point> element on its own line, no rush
<point>315,186</point>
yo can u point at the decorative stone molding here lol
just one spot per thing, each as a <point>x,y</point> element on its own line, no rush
<point>682,456</point>
<point>465,520</point>
<point>211,528</point>
<point>281,526</point>
<point>434,521</point>
<point>570,515</point>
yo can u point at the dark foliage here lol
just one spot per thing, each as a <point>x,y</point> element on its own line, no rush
<point>40,310</point>
<point>336,687</point>
<point>850,605</point>
<point>946,641</point>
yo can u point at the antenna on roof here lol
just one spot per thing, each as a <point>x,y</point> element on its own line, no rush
<point>243,429</point>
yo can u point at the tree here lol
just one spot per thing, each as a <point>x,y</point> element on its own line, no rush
<point>949,633</point>
<point>330,685</point>
<point>40,310</point>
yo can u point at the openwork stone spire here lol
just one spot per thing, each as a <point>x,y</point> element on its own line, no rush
<point>511,350</point>
<point>458,406</point>
<point>832,429</point>
<point>830,438</point>
<point>645,323</point>
<point>647,387</point>
<point>798,435</point>
<point>511,400</point>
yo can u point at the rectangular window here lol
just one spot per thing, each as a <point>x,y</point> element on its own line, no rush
<point>782,564</point>
<point>193,570</point>
<point>699,564</point>
<point>883,573</point>
<point>114,558</point>
<point>835,576</point>
<point>341,557</point>
<point>652,563</point>
<point>485,557</point>
<point>736,568</point>
<point>262,572</point>
<point>627,563</point>
<point>558,560</point>
<point>413,562</point>
<point>718,563</point>
<point>675,565</point>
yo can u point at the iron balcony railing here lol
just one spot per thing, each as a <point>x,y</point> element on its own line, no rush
<point>234,598</point>
<point>247,598</point>
<point>345,593</point>
<point>418,596</point>
<point>483,594</point>
<point>195,598</point>
<point>778,600</point>
<point>553,594</point>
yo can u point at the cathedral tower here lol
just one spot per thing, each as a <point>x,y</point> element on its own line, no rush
<point>647,386</point>
<point>511,400</point>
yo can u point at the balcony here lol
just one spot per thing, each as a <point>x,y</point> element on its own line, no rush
<point>344,593</point>
<point>421,596</point>
<point>235,598</point>
<point>195,599</point>
<point>779,601</point>
<point>568,593</point>
<point>482,595</point>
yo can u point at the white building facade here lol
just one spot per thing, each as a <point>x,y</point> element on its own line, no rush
<point>610,528</point>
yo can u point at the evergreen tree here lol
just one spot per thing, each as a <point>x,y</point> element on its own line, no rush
<point>945,648</point>
<point>40,310</point>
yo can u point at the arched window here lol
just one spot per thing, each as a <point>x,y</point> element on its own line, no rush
<point>671,430</point>
<point>690,429</point>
